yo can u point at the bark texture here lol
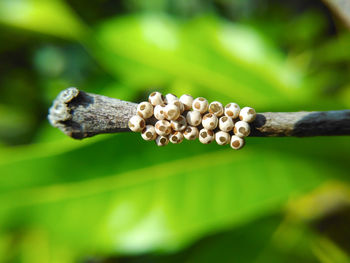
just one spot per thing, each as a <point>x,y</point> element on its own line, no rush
<point>80,115</point>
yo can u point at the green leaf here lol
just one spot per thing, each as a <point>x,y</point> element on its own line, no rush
<point>228,60</point>
<point>133,196</point>
<point>52,17</point>
<point>255,242</point>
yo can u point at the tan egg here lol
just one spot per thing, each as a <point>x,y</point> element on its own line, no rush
<point>162,140</point>
<point>200,104</point>
<point>170,98</point>
<point>241,129</point>
<point>159,112</point>
<point>162,127</point>
<point>178,104</point>
<point>136,123</point>
<point>145,110</point>
<point>149,133</point>
<point>206,136</point>
<point>226,124</point>
<point>194,118</point>
<point>191,133</point>
<point>236,142</point>
<point>232,110</point>
<point>187,101</point>
<point>209,121</point>
<point>176,137</point>
<point>222,138</point>
<point>216,108</point>
<point>179,124</point>
<point>156,98</point>
<point>172,112</point>
<point>247,114</point>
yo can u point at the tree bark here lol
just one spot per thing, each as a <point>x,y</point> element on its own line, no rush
<point>80,115</point>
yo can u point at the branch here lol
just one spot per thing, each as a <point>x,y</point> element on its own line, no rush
<point>341,8</point>
<point>80,115</point>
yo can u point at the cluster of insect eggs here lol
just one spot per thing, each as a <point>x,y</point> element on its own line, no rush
<point>169,118</point>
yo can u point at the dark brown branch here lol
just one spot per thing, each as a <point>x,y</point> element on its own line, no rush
<point>80,115</point>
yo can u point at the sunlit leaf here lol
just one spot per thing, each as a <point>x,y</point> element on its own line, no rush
<point>50,17</point>
<point>231,60</point>
<point>147,199</point>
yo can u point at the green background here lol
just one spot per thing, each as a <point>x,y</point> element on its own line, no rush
<point>117,198</point>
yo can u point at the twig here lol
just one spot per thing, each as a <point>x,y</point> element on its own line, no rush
<point>80,115</point>
<point>341,8</point>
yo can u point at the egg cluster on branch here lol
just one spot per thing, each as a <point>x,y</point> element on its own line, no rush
<point>171,119</point>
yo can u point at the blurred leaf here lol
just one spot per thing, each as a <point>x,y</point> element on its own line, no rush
<point>252,242</point>
<point>326,52</point>
<point>305,31</point>
<point>50,61</point>
<point>14,123</point>
<point>63,199</point>
<point>143,199</point>
<point>246,243</point>
<point>328,252</point>
<point>321,202</point>
<point>230,60</point>
<point>49,17</point>
<point>213,56</point>
<point>345,96</point>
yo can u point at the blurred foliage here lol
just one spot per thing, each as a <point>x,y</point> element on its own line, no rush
<point>116,198</point>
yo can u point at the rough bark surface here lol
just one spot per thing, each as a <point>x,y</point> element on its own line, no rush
<point>80,115</point>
